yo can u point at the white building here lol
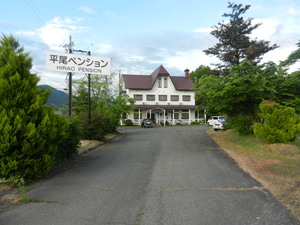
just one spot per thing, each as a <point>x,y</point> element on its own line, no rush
<point>161,97</point>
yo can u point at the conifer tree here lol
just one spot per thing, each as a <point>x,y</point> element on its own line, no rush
<point>280,123</point>
<point>30,132</point>
<point>235,45</point>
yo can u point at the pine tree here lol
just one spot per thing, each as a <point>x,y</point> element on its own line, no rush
<point>234,44</point>
<point>30,132</point>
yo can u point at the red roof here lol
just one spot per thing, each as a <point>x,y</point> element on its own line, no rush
<point>146,82</point>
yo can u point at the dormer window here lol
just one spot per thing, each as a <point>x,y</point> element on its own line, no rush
<point>165,82</point>
<point>159,82</point>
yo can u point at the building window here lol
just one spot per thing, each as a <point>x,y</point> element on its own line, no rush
<point>185,114</point>
<point>159,82</point>
<point>136,115</point>
<point>176,115</point>
<point>174,97</point>
<point>150,97</point>
<point>186,98</point>
<point>163,98</point>
<point>165,82</point>
<point>138,97</point>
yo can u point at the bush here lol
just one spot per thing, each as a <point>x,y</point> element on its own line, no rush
<point>28,150</point>
<point>69,147</point>
<point>166,123</point>
<point>241,123</point>
<point>128,122</point>
<point>195,123</point>
<point>100,125</point>
<point>280,124</point>
<point>30,132</point>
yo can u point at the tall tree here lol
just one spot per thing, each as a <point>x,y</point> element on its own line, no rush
<point>238,93</point>
<point>292,58</point>
<point>30,132</point>
<point>234,44</point>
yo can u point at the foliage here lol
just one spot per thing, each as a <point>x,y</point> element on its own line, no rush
<point>288,91</point>
<point>69,147</point>
<point>106,117</point>
<point>238,93</point>
<point>97,128</point>
<point>292,58</point>
<point>30,132</point>
<point>106,111</point>
<point>242,124</point>
<point>280,124</point>
<point>100,87</point>
<point>128,122</point>
<point>235,45</point>
<point>202,71</point>
<point>13,180</point>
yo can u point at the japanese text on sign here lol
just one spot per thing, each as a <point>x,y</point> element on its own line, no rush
<point>64,62</point>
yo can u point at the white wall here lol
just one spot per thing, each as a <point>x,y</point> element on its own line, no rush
<point>170,90</point>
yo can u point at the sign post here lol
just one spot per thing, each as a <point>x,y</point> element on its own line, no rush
<point>73,63</point>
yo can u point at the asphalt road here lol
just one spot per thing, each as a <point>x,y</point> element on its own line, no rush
<point>175,175</point>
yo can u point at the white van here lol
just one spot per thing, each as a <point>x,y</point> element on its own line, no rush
<point>211,121</point>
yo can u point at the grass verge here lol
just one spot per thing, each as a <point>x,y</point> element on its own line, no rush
<point>275,166</point>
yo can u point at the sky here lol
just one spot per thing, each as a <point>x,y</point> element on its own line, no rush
<point>140,35</point>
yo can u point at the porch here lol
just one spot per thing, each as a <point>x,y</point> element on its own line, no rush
<point>165,114</point>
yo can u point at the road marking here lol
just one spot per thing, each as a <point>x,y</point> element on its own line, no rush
<point>215,189</point>
<point>103,188</point>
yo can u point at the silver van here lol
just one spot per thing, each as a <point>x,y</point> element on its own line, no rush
<point>211,121</point>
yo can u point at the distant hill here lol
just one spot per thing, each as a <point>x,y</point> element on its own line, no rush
<point>58,99</point>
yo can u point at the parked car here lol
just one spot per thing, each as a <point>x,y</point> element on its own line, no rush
<point>211,121</point>
<point>147,123</point>
<point>219,125</point>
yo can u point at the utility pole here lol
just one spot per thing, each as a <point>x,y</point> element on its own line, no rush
<point>89,86</point>
<point>89,94</point>
<point>68,48</point>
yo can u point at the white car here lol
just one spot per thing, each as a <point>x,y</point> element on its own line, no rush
<point>219,125</point>
<point>211,121</point>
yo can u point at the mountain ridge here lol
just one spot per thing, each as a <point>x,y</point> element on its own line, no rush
<point>57,98</point>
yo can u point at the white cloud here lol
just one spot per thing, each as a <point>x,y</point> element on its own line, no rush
<point>293,12</point>
<point>203,30</point>
<point>110,15</point>
<point>87,10</point>
<point>57,31</point>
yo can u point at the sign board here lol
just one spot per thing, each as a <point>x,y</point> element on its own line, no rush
<point>64,62</point>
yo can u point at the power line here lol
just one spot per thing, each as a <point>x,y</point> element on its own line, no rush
<point>43,75</point>
<point>33,11</point>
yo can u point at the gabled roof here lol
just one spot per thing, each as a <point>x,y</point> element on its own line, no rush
<point>146,82</point>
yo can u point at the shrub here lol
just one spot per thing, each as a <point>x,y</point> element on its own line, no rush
<point>128,122</point>
<point>69,147</point>
<point>280,124</point>
<point>195,123</point>
<point>30,132</point>
<point>241,123</point>
<point>100,125</point>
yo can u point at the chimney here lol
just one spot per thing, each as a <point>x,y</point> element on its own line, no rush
<point>187,73</point>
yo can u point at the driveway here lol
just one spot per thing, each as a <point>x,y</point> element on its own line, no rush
<point>172,175</point>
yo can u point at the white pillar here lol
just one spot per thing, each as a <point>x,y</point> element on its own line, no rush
<point>164,118</point>
<point>189,116</point>
<point>173,117</point>
<point>139,117</point>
